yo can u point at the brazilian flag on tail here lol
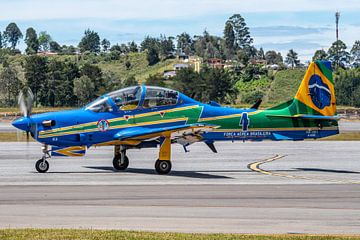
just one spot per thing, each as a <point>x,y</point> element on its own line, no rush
<point>316,94</point>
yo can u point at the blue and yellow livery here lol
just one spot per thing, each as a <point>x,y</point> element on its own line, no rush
<point>150,117</point>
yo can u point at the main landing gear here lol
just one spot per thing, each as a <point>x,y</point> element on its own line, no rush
<point>42,165</point>
<point>162,164</point>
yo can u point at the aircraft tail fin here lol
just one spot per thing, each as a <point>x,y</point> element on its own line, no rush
<point>316,95</point>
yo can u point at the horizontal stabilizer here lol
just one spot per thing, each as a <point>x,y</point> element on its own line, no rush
<point>256,104</point>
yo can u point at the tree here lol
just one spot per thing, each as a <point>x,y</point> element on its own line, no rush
<point>355,54</point>
<point>320,55</point>
<point>95,75</point>
<point>152,56</point>
<point>229,36</point>
<point>261,54</point>
<point>35,75</point>
<point>1,41</point>
<point>166,46</point>
<point>338,54</point>
<point>44,40</point>
<point>133,47</point>
<point>10,85</point>
<point>292,58</point>
<point>189,82</point>
<point>347,87</point>
<point>273,58</point>
<point>32,42</point>
<point>184,43</point>
<point>65,89</point>
<point>55,47</point>
<point>155,80</point>
<point>241,31</point>
<point>90,42</point>
<point>220,86</point>
<point>12,35</point>
<point>130,81</point>
<point>105,45</point>
<point>84,89</point>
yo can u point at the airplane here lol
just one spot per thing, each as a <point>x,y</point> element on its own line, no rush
<point>150,117</point>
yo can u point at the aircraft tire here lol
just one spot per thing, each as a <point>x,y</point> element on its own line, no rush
<point>162,166</point>
<point>42,166</point>
<point>117,163</point>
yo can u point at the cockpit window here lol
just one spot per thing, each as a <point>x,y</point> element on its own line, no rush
<point>100,105</point>
<point>127,98</point>
<point>156,97</point>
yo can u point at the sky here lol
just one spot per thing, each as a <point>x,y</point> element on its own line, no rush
<point>302,25</point>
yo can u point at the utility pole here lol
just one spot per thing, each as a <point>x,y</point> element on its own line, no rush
<point>337,17</point>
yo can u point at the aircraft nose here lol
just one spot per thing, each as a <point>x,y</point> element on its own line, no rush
<point>22,123</point>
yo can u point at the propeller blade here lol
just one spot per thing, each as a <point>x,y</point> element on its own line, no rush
<point>25,100</point>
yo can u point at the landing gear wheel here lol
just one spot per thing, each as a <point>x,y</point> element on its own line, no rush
<point>117,162</point>
<point>162,166</point>
<point>42,166</point>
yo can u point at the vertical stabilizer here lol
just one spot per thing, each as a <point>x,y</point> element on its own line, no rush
<point>316,90</point>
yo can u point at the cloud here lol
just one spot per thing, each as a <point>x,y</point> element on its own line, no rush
<point>158,9</point>
<point>286,30</point>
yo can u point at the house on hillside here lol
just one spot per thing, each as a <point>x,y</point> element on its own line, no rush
<point>183,57</point>
<point>179,66</point>
<point>216,63</point>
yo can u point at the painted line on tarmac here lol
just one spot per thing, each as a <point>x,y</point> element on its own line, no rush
<point>256,168</point>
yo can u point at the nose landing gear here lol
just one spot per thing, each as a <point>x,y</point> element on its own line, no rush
<point>120,161</point>
<point>42,165</point>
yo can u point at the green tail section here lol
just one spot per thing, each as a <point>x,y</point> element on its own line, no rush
<point>315,96</point>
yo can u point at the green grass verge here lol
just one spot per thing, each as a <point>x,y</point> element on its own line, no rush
<point>14,137</point>
<point>42,234</point>
<point>347,136</point>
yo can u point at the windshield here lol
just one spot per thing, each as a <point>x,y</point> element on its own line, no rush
<point>99,105</point>
<point>158,96</point>
<point>127,98</point>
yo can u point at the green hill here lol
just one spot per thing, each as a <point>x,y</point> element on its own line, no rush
<point>138,66</point>
<point>284,86</point>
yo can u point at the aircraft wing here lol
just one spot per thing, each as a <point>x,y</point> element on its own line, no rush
<point>183,134</point>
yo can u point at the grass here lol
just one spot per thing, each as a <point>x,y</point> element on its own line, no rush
<point>139,67</point>
<point>60,234</point>
<point>14,137</point>
<point>16,110</point>
<point>347,136</point>
<point>284,85</point>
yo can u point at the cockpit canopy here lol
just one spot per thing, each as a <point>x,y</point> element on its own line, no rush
<point>132,98</point>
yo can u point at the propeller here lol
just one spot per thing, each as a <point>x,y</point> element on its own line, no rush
<point>25,100</point>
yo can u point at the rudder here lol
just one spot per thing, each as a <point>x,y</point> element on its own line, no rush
<point>316,90</point>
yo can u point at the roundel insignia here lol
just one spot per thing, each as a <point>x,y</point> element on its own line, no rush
<point>319,92</point>
<point>103,125</point>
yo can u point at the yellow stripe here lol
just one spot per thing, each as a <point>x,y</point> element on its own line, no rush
<point>276,129</point>
<point>119,119</point>
<point>116,127</point>
<point>228,116</point>
<point>256,168</point>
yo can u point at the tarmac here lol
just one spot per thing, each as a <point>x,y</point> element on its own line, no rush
<point>308,187</point>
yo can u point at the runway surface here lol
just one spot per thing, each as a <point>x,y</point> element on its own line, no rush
<point>266,187</point>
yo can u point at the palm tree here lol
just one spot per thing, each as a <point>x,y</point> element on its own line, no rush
<point>292,58</point>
